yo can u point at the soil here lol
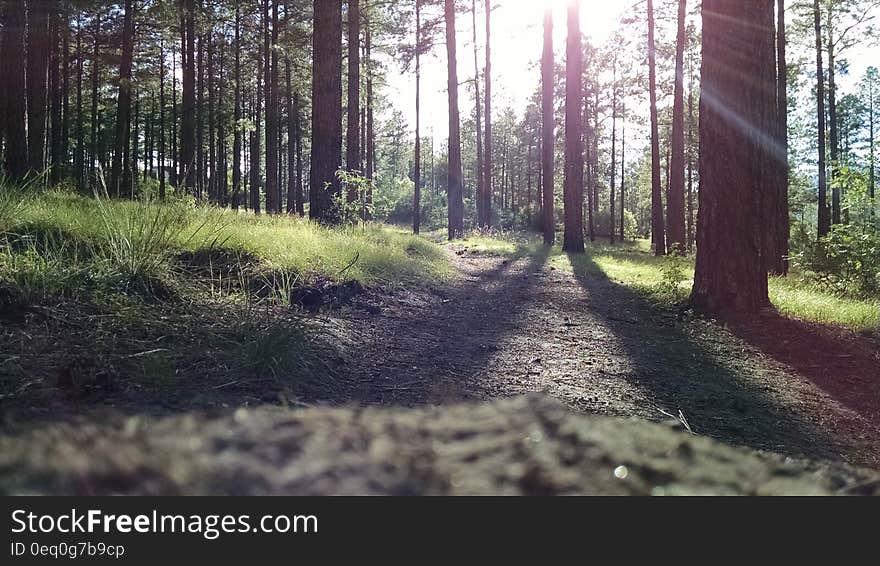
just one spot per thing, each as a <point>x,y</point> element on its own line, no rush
<point>501,328</point>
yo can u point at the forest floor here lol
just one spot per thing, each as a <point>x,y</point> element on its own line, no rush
<point>518,323</point>
<point>500,325</point>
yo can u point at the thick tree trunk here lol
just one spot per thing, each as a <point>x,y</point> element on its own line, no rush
<point>547,147</point>
<point>366,212</point>
<point>13,83</point>
<point>675,225</point>
<point>454,183</point>
<point>573,186</point>
<point>691,235</point>
<point>38,41</point>
<point>658,230</point>
<point>326,110</point>
<point>824,211</point>
<point>737,111</point>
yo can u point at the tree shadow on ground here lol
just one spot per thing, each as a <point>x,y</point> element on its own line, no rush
<point>716,391</point>
<point>435,356</point>
<point>844,365</point>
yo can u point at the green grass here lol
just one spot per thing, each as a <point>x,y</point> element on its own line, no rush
<point>632,264</point>
<point>61,243</point>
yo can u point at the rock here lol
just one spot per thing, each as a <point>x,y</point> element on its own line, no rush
<point>523,446</point>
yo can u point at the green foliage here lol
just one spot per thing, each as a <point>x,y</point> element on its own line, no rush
<point>352,212</point>
<point>673,273</point>
<point>847,260</point>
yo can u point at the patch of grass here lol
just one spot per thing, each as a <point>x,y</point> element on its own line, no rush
<point>669,281</point>
<point>61,243</point>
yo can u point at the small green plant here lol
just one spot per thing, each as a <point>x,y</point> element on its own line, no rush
<point>359,209</point>
<point>673,272</point>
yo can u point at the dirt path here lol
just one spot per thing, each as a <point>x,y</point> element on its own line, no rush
<point>508,327</point>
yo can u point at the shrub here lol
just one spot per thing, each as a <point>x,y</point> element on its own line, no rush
<point>847,260</point>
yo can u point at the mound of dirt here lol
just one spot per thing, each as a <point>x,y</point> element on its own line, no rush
<point>529,445</point>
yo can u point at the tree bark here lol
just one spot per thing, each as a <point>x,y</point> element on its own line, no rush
<point>573,186</point>
<point>352,138</point>
<point>38,40</point>
<point>454,182</point>
<point>13,81</point>
<point>675,206</point>
<point>824,211</point>
<point>269,74</point>
<point>657,223</point>
<point>417,173</point>
<point>487,147</point>
<point>480,191</point>
<point>237,132</point>
<point>613,153</point>
<point>326,110</point>
<point>188,123</point>
<point>737,118</point>
<point>779,234</point>
<point>547,147</point>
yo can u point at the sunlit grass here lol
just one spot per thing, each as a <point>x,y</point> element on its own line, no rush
<point>632,264</point>
<point>59,242</point>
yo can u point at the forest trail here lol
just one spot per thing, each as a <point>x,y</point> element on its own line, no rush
<point>510,326</point>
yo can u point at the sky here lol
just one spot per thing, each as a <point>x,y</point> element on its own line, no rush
<point>517,42</point>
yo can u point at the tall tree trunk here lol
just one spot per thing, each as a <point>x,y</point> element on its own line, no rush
<point>212,148</point>
<point>56,114</point>
<point>93,131</point>
<point>487,147</point>
<point>613,180</point>
<point>236,137</point>
<point>573,186</point>
<point>300,208</point>
<point>832,120</point>
<point>272,194</point>
<point>480,191</point>
<point>291,143</point>
<point>777,259</point>
<point>188,118</point>
<point>417,173</point>
<point>366,212</point>
<point>675,228</point>
<point>547,147</point>
<point>200,118</point>
<point>824,211</point>
<point>64,147</point>
<point>162,157</point>
<point>13,83</point>
<point>256,103</point>
<point>657,224</point>
<point>454,183</point>
<point>352,137</point>
<point>38,40</point>
<point>737,110</point>
<point>623,173</point>
<point>123,103</point>
<point>690,164</point>
<point>326,110</point>
<point>79,157</point>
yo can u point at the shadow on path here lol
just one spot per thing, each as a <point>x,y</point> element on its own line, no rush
<point>844,365</point>
<point>717,398</point>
